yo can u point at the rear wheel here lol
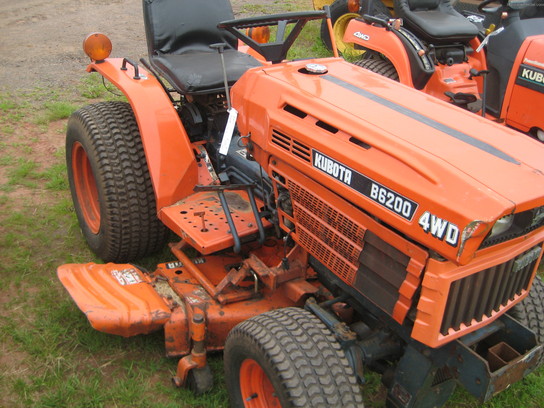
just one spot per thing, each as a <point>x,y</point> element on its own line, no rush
<point>379,66</point>
<point>530,312</point>
<point>287,358</point>
<point>110,184</point>
<point>340,18</point>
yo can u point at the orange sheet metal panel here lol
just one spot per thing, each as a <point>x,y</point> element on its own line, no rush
<point>449,163</point>
<point>524,96</point>
<point>339,252</point>
<point>117,299</point>
<point>440,276</point>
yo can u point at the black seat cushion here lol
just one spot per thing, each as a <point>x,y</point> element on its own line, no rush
<point>179,34</point>
<point>198,71</point>
<point>435,21</point>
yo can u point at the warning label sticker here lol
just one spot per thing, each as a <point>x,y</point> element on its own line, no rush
<point>127,276</point>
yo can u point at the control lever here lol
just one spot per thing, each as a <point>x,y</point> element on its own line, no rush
<point>233,113</point>
<point>483,73</point>
<point>486,39</point>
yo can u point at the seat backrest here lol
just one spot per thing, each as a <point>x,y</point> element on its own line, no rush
<point>177,26</point>
<point>423,4</point>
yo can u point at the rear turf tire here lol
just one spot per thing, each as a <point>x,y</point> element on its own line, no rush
<point>110,183</point>
<point>288,358</point>
<point>379,66</point>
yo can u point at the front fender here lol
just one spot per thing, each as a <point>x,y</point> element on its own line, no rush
<point>170,159</point>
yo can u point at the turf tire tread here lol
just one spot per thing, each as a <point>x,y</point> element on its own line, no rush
<point>129,227</point>
<point>379,66</point>
<point>309,362</point>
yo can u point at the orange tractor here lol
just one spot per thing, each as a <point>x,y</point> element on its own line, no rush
<point>432,47</point>
<point>330,221</point>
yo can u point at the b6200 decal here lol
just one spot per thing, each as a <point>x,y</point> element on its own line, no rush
<point>439,228</point>
<point>377,192</point>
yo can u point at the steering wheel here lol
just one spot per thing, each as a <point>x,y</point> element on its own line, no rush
<point>491,10</point>
<point>276,51</point>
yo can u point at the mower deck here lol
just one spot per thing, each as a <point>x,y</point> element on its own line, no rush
<point>117,299</point>
<point>124,300</point>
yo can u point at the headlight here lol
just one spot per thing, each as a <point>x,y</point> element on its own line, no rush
<point>502,225</point>
<point>538,217</point>
<point>515,225</point>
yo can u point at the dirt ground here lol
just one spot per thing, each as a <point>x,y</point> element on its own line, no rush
<point>40,40</point>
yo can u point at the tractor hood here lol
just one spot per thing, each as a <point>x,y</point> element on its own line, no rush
<point>439,174</point>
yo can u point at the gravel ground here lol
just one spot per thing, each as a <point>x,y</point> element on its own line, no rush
<point>40,40</point>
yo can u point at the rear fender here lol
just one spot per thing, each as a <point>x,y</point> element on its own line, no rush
<point>170,158</point>
<point>383,41</point>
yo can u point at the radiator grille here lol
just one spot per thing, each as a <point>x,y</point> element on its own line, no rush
<point>479,295</point>
<point>291,145</point>
<point>323,231</point>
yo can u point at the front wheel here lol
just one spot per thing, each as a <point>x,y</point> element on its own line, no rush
<point>110,183</point>
<point>288,358</point>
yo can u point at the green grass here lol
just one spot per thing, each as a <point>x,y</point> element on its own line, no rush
<point>50,355</point>
<point>54,111</point>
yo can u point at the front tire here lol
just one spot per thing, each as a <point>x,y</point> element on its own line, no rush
<point>530,312</point>
<point>288,358</point>
<point>110,183</point>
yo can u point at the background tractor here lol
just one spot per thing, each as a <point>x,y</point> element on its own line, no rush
<point>343,11</point>
<point>433,48</point>
<point>329,221</point>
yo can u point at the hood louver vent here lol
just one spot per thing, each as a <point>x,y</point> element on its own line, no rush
<point>289,144</point>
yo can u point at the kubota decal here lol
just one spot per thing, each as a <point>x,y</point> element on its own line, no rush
<point>377,192</point>
<point>531,77</point>
<point>439,228</point>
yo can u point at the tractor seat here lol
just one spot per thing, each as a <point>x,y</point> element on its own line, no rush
<point>435,21</point>
<point>179,34</point>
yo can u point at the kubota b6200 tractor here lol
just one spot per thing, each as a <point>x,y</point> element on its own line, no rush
<point>330,221</point>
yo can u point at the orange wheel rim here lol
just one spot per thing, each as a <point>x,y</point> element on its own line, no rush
<point>257,390</point>
<point>85,186</point>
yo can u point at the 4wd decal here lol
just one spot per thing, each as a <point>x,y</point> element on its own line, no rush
<point>439,228</point>
<point>362,36</point>
<point>531,77</point>
<point>377,192</point>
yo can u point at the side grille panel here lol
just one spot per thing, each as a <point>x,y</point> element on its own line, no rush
<point>363,253</point>
<point>382,272</point>
<point>325,231</point>
<point>477,296</point>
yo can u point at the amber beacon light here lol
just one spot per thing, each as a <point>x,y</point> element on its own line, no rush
<point>97,46</point>
<point>354,6</point>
